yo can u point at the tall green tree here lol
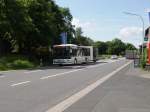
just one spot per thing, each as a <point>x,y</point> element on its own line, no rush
<point>78,35</point>
<point>130,46</point>
<point>116,46</point>
<point>67,27</point>
<point>80,39</point>
<point>102,47</point>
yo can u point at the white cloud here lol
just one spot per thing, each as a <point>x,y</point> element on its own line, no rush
<point>147,10</point>
<point>87,26</point>
<point>131,34</point>
<point>76,22</point>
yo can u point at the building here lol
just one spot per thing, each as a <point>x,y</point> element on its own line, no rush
<point>147,39</point>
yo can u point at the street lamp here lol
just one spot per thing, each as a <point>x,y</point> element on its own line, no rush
<point>142,20</point>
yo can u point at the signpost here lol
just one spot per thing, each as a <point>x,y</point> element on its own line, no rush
<point>63,38</point>
<point>145,39</point>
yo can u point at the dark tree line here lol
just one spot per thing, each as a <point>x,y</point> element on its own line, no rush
<point>115,46</point>
<point>29,24</point>
<point>34,26</point>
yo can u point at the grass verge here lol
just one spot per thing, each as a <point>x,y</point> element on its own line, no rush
<point>14,62</point>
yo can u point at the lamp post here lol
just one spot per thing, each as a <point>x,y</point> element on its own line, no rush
<point>142,20</point>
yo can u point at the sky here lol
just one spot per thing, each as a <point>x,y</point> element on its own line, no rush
<point>104,20</point>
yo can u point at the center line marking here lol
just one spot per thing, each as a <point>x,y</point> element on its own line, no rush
<point>33,71</point>
<point>20,83</point>
<point>60,107</point>
<point>1,76</point>
<point>60,74</point>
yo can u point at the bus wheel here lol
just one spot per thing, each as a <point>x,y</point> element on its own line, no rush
<point>75,61</point>
<point>60,64</point>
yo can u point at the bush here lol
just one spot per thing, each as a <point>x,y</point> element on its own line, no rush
<point>144,59</point>
<point>2,67</point>
<point>15,62</point>
<point>143,64</point>
<point>21,64</point>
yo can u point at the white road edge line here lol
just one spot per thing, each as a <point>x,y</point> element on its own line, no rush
<point>74,98</point>
<point>20,83</point>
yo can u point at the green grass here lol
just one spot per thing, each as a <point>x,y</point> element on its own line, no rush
<point>11,62</point>
<point>144,59</point>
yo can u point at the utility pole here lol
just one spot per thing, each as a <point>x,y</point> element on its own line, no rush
<point>143,32</point>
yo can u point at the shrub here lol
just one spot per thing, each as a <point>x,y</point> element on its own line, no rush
<point>16,62</point>
<point>2,67</point>
<point>144,59</point>
<point>143,64</point>
<point>21,64</point>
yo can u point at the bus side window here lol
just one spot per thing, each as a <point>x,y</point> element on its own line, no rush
<point>74,52</point>
<point>79,52</point>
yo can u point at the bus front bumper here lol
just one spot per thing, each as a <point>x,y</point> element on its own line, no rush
<point>62,61</point>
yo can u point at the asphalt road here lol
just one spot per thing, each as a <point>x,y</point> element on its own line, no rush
<point>42,89</point>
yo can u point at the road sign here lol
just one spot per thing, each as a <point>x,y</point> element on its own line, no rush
<point>64,38</point>
<point>145,39</point>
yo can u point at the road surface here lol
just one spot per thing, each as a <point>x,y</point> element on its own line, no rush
<point>81,88</point>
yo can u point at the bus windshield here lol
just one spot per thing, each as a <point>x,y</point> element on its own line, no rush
<point>62,53</point>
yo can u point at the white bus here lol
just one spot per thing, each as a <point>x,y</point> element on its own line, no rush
<point>73,54</point>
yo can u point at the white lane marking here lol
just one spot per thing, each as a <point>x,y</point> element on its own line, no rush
<point>74,98</point>
<point>94,66</point>
<point>2,76</point>
<point>65,73</point>
<point>33,71</point>
<point>76,67</point>
<point>59,74</point>
<point>20,83</point>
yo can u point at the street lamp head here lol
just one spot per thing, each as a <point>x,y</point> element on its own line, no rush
<point>129,13</point>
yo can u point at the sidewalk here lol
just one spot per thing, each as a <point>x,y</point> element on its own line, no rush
<point>125,92</point>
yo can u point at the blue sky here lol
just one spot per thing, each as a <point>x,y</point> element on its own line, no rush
<point>104,20</point>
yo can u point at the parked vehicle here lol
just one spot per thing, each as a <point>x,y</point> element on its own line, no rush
<point>114,57</point>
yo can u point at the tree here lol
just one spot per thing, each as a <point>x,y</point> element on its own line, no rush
<point>67,27</point>
<point>78,35</point>
<point>7,38</point>
<point>102,47</point>
<point>116,46</point>
<point>29,24</point>
<point>130,46</point>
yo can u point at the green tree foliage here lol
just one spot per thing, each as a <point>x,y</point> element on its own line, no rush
<point>68,27</point>
<point>130,47</point>
<point>32,26</point>
<point>102,47</point>
<point>29,24</point>
<point>115,46</point>
<point>80,39</point>
<point>5,29</point>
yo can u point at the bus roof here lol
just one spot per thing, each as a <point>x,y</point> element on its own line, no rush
<point>65,45</point>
